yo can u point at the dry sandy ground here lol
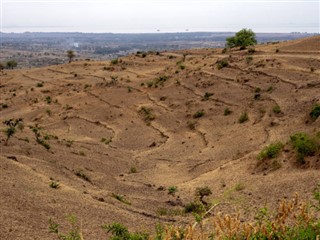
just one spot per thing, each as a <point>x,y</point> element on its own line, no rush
<point>95,101</point>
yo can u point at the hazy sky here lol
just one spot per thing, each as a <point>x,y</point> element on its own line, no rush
<point>165,15</point>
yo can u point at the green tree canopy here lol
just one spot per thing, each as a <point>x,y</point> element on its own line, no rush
<point>71,55</point>
<point>11,64</point>
<point>243,38</point>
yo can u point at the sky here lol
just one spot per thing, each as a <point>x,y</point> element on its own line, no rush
<point>135,16</point>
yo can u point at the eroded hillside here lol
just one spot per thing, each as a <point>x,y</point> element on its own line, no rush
<point>115,136</point>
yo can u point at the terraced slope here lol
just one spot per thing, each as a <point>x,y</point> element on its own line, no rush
<point>132,129</point>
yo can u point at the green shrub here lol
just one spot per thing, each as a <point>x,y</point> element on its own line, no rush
<point>222,64</point>
<point>304,146</point>
<point>199,114</point>
<point>315,112</point>
<point>120,232</point>
<point>54,184</point>
<point>80,173</point>
<point>194,207</point>
<point>243,38</point>
<point>147,113</point>
<point>120,198</point>
<point>276,109</point>
<point>227,111</point>
<point>114,61</point>
<point>172,190</point>
<point>243,117</point>
<point>271,151</point>
<point>206,96</point>
<point>39,84</point>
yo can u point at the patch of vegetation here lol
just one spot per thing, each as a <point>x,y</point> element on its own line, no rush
<point>270,89</point>
<point>11,127</point>
<point>304,146</point>
<point>276,109</point>
<point>199,114</point>
<point>157,82</point>
<point>39,84</point>
<point>172,190</point>
<point>243,38</point>
<point>206,96</point>
<point>48,99</point>
<point>71,55</point>
<point>243,117</point>
<point>11,64</point>
<point>222,64</point>
<point>271,151</point>
<point>80,173</point>
<point>169,212</point>
<point>54,184</point>
<point>121,198</point>
<point>249,59</point>
<point>48,111</point>
<point>192,125</point>
<point>39,139</point>
<point>133,170</point>
<point>73,234</point>
<point>251,50</point>
<point>194,207</point>
<point>315,112</point>
<point>239,187</point>
<point>114,61</point>
<point>202,192</point>
<point>147,114</point>
<point>227,112</point>
<point>106,140</point>
<point>277,50</point>
<point>120,232</point>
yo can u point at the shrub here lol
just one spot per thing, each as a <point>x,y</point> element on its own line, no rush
<point>120,232</point>
<point>243,117</point>
<point>202,192</point>
<point>120,198</point>
<point>11,64</point>
<point>251,51</point>
<point>172,190</point>
<point>206,96</point>
<point>315,112</point>
<point>11,127</point>
<point>114,61</point>
<point>147,113</point>
<point>276,109</point>
<point>199,114</point>
<point>227,111</point>
<point>39,84</point>
<point>54,184</point>
<point>194,207</point>
<point>222,64</point>
<point>304,146</point>
<point>271,151</point>
<point>80,173</point>
<point>243,38</point>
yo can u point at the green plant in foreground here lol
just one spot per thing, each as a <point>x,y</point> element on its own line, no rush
<point>73,234</point>
<point>304,146</point>
<point>120,232</point>
<point>271,151</point>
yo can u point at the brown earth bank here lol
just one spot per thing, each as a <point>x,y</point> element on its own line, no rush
<point>115,136</point>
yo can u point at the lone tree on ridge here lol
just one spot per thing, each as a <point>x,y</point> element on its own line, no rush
<point>71,55</point>
<point>242,39</point>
